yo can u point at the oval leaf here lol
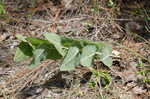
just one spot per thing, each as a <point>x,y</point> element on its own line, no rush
<point>105,56</point>
<point>19,55</point>
<point>23,51</point>
<point>71,60</point>
<point>38,56</point>
<point>87,55</point>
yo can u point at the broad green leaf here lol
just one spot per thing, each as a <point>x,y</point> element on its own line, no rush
<point>68,42</point>
<point>23,52</point>
<point>56,41</point>
<point>80,43</point>
<point>71,59</point>
<point>105,56</point>
<point>50,51</point>
<point>26,48</point>
<point>38,56</point>
<point>87,55</point>
<point>36,41</point>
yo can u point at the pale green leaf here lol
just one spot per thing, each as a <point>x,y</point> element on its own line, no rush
<point>71,60</point>
<point>56,41</point>
<point>36,41</point>
<point>23,51</point>
<point>20,56</point>
<point>38,56</point>
<point>105,56</point>
<point>87,55</point>
<point>21,37</point>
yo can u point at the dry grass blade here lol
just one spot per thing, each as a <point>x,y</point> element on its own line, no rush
<point>23,78</point>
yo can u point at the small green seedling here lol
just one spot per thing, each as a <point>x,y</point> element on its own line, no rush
<point>144,72</point>
<point>111,3</point>
<point>2,8</point>
<point>100,78</point>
